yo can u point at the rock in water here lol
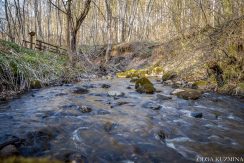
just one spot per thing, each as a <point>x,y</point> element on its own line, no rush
<point>196,114</point>
<point>108,126</point>
<point>85,109</point>
<point>187,94</point>
<point>163,97</point>
<point>105,86</point>
<point>116,94</point>
<point>143,85</point>
<point>151,105</point>
<point>9,150</point>
<point>160,135</point>
<point>79,90</point>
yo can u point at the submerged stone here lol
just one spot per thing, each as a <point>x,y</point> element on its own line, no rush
<point>85,109</point>
<point>160,135</point>
<point>163,97</point>
<point>196,114</point>
<point>151,105</point>
<point>108,126</point>
<point>105,86</point>
<point>79,90</point>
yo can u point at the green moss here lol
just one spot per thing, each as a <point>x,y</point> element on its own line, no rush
<point>140,73</point>
<point>143,85</point>
<point>201,84</point>
<point>158,70</point>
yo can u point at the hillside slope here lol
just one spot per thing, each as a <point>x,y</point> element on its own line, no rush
<point>200,56</point>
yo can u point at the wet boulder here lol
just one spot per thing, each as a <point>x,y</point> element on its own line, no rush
<point>187,94</point>
<point>143,85</point>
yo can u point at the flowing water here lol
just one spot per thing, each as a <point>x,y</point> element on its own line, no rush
<point>50,122</point>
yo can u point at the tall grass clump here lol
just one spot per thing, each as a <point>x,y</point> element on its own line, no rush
<point>20,67</point>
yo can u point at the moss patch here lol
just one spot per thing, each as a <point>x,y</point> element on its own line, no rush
<point>140,73</point>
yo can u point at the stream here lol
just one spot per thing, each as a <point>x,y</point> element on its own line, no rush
<point>94,127</point>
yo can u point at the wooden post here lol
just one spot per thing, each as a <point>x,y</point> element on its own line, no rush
<point>40,45</point>
<point>32,34</point>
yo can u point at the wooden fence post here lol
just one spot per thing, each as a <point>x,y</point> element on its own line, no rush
<point>32,34</point>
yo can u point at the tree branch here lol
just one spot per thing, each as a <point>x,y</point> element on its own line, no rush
<point>57,7</point>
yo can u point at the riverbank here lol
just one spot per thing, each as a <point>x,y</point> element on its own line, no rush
<point>22,69</point>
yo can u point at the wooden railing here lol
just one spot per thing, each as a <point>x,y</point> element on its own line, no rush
<point>42,46</point>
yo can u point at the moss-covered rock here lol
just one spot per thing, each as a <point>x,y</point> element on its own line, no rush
<point>169,76</point>
<point>35,84</point>
<point>188,94</point>
<point>143,85</point>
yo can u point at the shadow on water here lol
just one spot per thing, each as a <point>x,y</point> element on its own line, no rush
<point>92,126</point>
